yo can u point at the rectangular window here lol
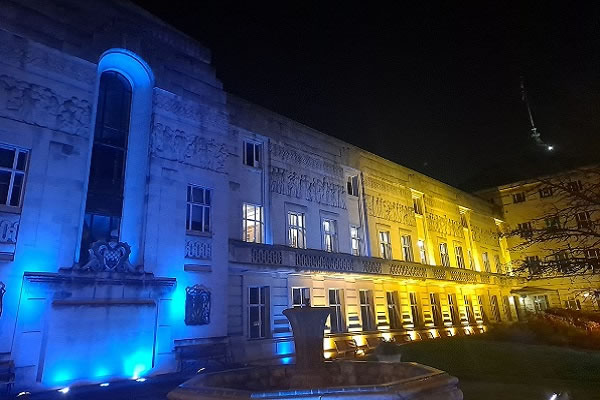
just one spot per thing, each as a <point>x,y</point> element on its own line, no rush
<point>460,258</point>
<point>533,264</point>
<point>519,197</point>
<point>481,309</point>
<point>436,312</point>
<point>463,220</point>
<point>414,309</point>
<point>296,229</point>
<point>301,297</point>
<point>444,257</point>
<point>352,185</point>
<point>253,225</point>
<point>354,241</point>
<point>574,186</point>
<point>471,259</point>
<point>336,316</point>
<point>552,223</point>
<point>366,310</point>
<point>593,259</point>
<point>469,309</point>
<point>13,166</point>
<point>498,264</point>
<point>198,209</point>
<point>329,235</point>
<point>393,310</point>
<point>252,154</point>
<point>407,250</point>
<point>545,192</point>
<point>422,251</point>
<point>507,311</point>
<point>385,245</point>
<point>573,304</point>
<point>583,220</point>
<point>418,205</point>
<point>453,309</point>
<point>258,312</point>
<point>494,308</point>
<point>525,229</point>
<point>486,262</point>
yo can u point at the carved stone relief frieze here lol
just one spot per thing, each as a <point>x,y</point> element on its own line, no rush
<point>386,187</point>
<point>302,160</point>
<point>41,106</point>
<point>324,190</point>
<point>390,210</point>
<point>485,235</point>
<point>197,305</point>
<point>173,104</point>
<point>184,147</point>
<point>444,225</point>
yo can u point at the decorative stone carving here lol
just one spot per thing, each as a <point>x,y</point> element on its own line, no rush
<point>444,225</point>
<point>197,305</point>
<point>177,145</point>
<point>321,191</point>
<point>302,160</point>
<point>199,113</point>
<point>264,256</point>
<point>489,236</point>
<point>390,210</point>
<point>2,291</point>
<point>112,256</point>
<point>198,249</point>
<point>408,270</point>
<point>330,263</point>
<point>386,187</point>
<point>8,231</point>
<point>41,106</point>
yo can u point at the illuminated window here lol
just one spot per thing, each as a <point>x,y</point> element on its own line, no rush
<point>573,303</point>
<point>198,209</point>
<point>352,185</point>
<point>519,197</point>
<point>533,264</point>
<point>407,250</point>
<point>393,310</point>
<point>593,259</point>
<point>453,308</point>
<point>414,309</point>
<point>498,264</point>
<point>471,259</point>
<point>545,192</point>
<point>494,308</point>
<point>486,262</point>
<point>460,258</point>
<point>104,202</point>
<point>301,297</point>
<point>354,241</point>
<point>444,256</point>
<point>436,313</point>
<point>252,153</point>
<point>13,167</point>
<point>385,245</point>
<point>418,205</point>
<point>252,223</point>
<point>507,310</point>
<point>525,229</point>
<point>366,310</point>
<point>336,315</point>
<point>482,309</point>
<point>422,251</point>
<point>329,235</point>
<point>296,229</point>
<point>583,220</point>
<point>258,312</point>
<point>469,309</point>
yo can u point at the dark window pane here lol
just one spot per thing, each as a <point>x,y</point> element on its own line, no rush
<point>107,170</point>
<point>4,185</point>
<point>206,219</point>
<point>188,216</point>
<point>295,296</point>
<point>263,321</point>
<point>22,161</point>
<point>207,199</point>
<point>15,197</point>
<point>198,195</point>
<point>263,295</point>
<point>196,218</point>
<point>189,193</point>
<point>7,157</point>
<point>254,295</point>
<point>249,154</point>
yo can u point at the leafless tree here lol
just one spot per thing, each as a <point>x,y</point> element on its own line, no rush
<point>567,230</point>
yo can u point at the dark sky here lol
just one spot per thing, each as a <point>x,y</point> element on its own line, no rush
<point>434,87</point>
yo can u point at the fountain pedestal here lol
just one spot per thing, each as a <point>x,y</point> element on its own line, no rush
<point>308,324</point>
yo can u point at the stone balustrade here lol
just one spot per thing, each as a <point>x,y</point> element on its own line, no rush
<point>286,258</point>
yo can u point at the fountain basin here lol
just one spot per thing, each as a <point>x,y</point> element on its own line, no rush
<point>345,380</point>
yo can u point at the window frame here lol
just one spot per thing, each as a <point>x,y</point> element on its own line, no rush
<point>415,309</point>
<point>352,185</point>
<point>460,256</point>
<point>264,332</point>
<point>355,241</point>
<point>205,206</point>
<point>519,197</point>
<point>444,255</point>
<point>14,171</point>
<point>304,298</point>
<point>299,229</point>
<point>256,222</point>
<point>407,250</point>
<point>422,246</point>
<point>257,153</point>
<point>367,309</point>
<point>385,248</point>
<point>329,238</point>
<point>485,260</point>
<point>393,305</point>
<point>436,309</point>
<point>336,310</point>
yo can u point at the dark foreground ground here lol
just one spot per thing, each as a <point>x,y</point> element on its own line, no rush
<point>488,370</point>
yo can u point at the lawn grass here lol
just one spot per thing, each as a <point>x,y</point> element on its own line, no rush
<point>492,370</point>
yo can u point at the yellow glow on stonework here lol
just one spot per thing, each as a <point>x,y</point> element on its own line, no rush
<point>328,344</point>
<point>359,340</point>
<point>413,335</point>
<point>387,336</point>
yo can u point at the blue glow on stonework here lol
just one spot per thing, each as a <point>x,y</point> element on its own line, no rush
<point>285,348</point>
<point>287,360</point>
<point>138,363</point>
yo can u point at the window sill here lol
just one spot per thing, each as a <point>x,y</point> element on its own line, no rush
<point>10,209</point>
<point>202,234</point>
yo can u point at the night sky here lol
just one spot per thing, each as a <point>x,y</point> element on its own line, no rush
<point>433,87</point>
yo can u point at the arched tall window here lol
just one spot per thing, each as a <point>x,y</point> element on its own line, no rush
<point>104,204</point>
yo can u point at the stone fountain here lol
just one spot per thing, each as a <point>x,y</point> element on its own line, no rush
<point>314,378</point>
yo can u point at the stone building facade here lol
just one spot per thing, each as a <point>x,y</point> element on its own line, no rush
<point>144,209</point>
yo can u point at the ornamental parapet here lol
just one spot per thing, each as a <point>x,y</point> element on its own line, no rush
<point>279,257</point>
